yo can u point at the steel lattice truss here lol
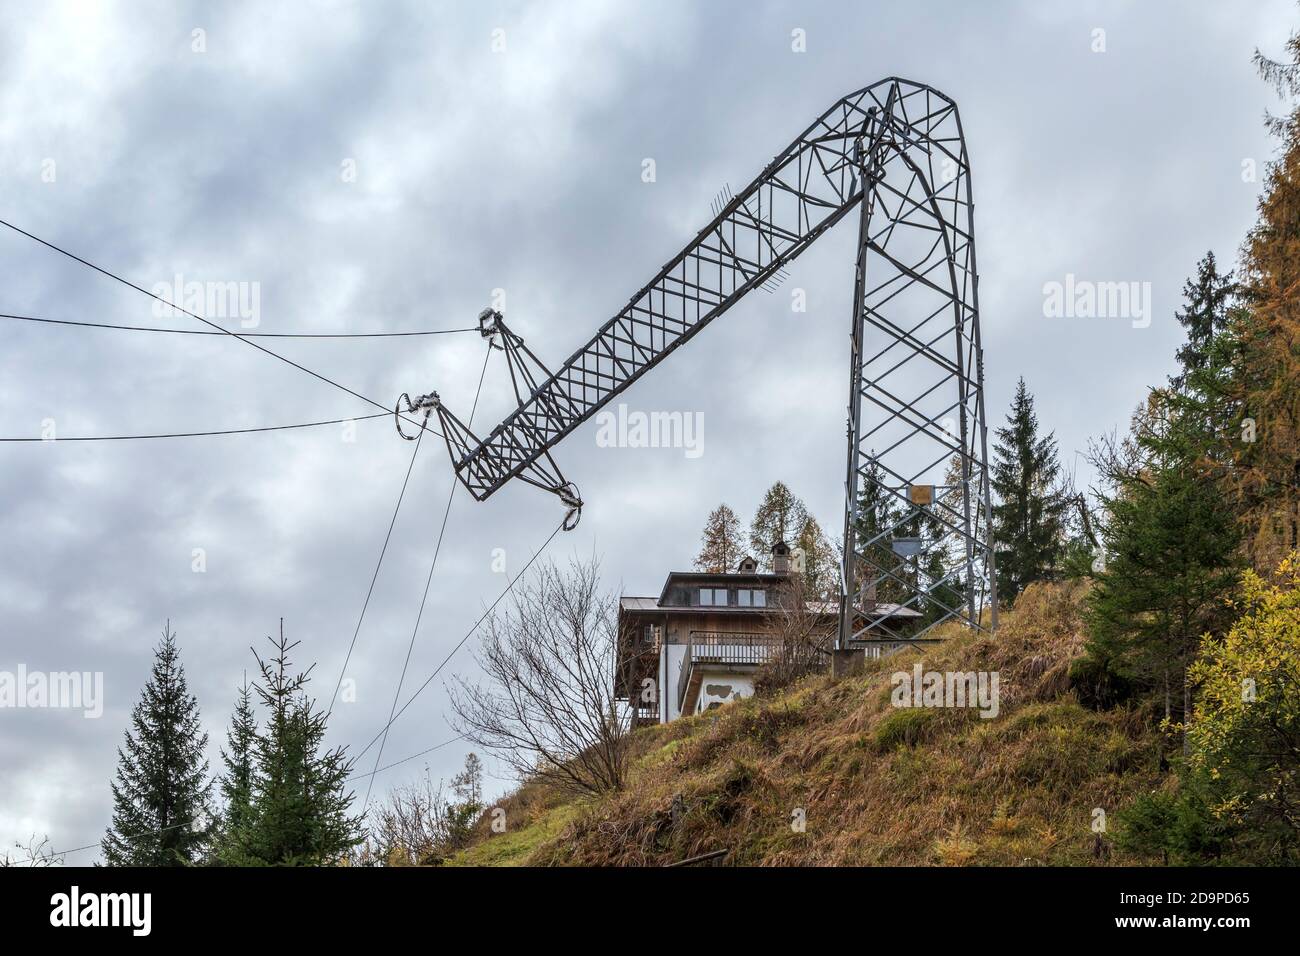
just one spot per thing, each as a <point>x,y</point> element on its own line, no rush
<point>916,412</point>
<point>917,427</point>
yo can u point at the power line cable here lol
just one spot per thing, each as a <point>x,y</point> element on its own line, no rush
<point>246,335</point>
<point>393,719</point>
<point>375,577</point>
<point>246,339</point>
<point>91,846</point>
<point>398,763</point>
<point>459,644</point>
<point>157,298</point>
<point>225,431</point>
<point>410,647</point>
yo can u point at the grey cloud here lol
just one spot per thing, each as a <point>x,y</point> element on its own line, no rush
<point>518,170</point>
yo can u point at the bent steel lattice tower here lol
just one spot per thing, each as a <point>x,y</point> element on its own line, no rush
<point>916,543</point>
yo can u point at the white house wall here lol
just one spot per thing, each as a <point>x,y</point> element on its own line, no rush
<point>718,687</point>
<point>671,657</point>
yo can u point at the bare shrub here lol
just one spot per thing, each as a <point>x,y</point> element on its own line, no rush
<point>423,823</point>
<point>37,853</point>
<point>547,707</point>
<point>801,638</point>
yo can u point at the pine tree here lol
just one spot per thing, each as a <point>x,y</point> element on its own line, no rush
<point>779,518</point>
<point>236,783</point>
<point>1204,317</point>
<point>930,576</point>
<point>160,792</point>
<point>877,524</point>
<point>464,810</point>
<point>300,801</point>
<point>468,784</point>
<point>932,570</point>
<point>1202,412</point>
<point>1201,396</point>
<point>949,553</point>
<point>1170,547</point>
<point>1030,510</point>
<point>720,543</point>
<point>1170,542</point>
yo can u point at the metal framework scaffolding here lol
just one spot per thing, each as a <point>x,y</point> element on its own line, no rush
<point>917,507</point>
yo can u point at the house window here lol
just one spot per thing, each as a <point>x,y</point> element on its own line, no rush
<point>748,598</point>
<point>713,597</point>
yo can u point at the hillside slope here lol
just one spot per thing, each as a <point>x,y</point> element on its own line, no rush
<point>876,784</point>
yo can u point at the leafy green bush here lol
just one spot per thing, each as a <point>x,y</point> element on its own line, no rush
<point>904,726</point>
<point>1179,826</point>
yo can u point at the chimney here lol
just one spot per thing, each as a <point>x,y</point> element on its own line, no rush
<point>780,558</point>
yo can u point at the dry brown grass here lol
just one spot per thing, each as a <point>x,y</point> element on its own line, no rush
<point>875,784</point>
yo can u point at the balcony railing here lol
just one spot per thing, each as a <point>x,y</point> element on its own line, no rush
<point>723,647</point>
<point>641,714</point>
<point>718,647</point>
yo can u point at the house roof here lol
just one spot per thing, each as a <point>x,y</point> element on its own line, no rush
<point>721,577</point>
<point>880,609</point>
<point>638,603</point>
<point>632,603</point>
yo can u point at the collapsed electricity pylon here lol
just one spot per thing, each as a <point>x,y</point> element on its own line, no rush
<point>916,545</point>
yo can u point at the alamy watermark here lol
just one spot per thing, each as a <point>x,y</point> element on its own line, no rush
<point>74,908</point>
<point>637,429</point>
<point>975,689</point>
<point>1085,299</point>
<point>66,690</point>
<point>211,300</point>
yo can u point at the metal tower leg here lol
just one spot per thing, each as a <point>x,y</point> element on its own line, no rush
<point>917,434</point>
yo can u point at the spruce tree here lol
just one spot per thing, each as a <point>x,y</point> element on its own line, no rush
<point>883,516</point>
<point>1204,317</point>
<point>949,552</point>
<point>934,571</point>
<point>720,543</point>
<point>779,517</point>
<point>160,791</point>
<point>933,576</point>
<point>1030,510</point>
<point>1200,404</point>
<point>879,515</point>
<point>1170,548</point>
<point>236,783</point>
<point>1169,537</point>
<point>300,798</point>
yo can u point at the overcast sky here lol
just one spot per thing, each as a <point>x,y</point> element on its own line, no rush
<point>517,169</point>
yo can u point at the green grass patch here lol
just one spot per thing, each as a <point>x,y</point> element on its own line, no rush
<point>903,727</point>
<point>514,847</point>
